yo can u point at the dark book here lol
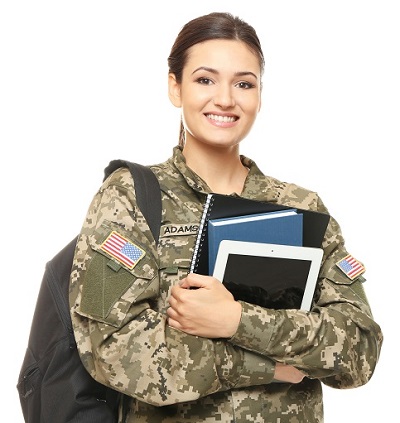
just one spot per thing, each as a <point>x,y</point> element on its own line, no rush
<point>221,206</point>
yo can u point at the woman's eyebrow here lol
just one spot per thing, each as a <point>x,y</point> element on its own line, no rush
<point>214,71</point>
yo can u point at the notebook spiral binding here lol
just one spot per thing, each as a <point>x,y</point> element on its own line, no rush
<point>200,236</point>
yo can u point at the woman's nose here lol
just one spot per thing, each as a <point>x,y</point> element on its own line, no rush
<point>224,97</point>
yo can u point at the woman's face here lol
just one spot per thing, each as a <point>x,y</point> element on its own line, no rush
<point>220,92</point>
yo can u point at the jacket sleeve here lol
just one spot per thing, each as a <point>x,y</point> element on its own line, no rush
<point>122,340</point>
<point>338,341</point>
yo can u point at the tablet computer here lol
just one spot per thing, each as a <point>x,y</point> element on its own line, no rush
<point>270,275</point>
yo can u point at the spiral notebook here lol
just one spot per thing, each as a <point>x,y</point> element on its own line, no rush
<point>219,205</point>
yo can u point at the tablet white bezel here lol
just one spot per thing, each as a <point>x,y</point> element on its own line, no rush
<point>314,255</point>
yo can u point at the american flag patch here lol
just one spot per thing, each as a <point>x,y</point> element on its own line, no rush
<point>350,266</point>
<point>123,250</point>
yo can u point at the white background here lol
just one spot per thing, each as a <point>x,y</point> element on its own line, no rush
<point>85,82</point>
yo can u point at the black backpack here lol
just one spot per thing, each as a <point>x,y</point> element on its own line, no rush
<point>53,384</point>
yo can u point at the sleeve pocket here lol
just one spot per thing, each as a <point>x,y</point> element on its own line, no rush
<point>109,288</point>
<point>332,272</point>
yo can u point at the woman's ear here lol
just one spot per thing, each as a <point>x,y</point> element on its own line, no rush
<point>261,89</point>
<point>174,90</point>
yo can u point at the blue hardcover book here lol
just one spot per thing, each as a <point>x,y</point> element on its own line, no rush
<point>284,227</point>
<point>220,206</point>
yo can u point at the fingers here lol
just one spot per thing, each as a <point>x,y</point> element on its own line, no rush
<point>174,316</point>
<point>177,321</point>
<point>287,373</point>
<point>173,323</point>
<point>193,280</point>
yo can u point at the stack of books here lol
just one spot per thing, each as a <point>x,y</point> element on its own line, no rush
<point>234,231</point>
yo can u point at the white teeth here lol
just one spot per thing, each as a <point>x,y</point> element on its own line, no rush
<point>221,118</point>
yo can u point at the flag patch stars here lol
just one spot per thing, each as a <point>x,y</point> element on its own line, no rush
<point>350,266</point>
<point>122,250</point>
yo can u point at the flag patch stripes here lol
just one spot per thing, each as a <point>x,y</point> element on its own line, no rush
<point>350,266</point>
<point>122,250</point>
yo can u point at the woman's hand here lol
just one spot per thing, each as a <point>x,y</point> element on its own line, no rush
<point>287,373</point>
<point>209,310</point>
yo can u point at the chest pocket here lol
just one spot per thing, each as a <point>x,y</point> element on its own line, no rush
<point>175,246</point>
<point>121,272</point>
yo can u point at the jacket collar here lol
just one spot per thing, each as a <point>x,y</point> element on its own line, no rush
<point>257,185</point>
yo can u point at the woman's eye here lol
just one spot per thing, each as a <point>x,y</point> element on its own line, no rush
<point>245,85</point>
<point>204,81</point>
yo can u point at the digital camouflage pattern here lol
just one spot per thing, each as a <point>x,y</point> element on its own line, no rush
<point>167,376</point>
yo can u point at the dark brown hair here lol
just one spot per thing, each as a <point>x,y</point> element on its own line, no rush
<point>213,26</point>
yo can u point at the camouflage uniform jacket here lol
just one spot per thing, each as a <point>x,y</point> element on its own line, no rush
<point>119,315</point>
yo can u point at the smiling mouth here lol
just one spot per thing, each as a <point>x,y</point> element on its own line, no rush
<point>218,118</point>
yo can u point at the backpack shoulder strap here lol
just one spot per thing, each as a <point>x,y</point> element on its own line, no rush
<point>148,193</point>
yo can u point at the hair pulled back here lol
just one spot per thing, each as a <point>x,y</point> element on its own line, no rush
<point>217,25</point>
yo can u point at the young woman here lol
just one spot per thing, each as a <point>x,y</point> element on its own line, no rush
<point>198,355</point>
